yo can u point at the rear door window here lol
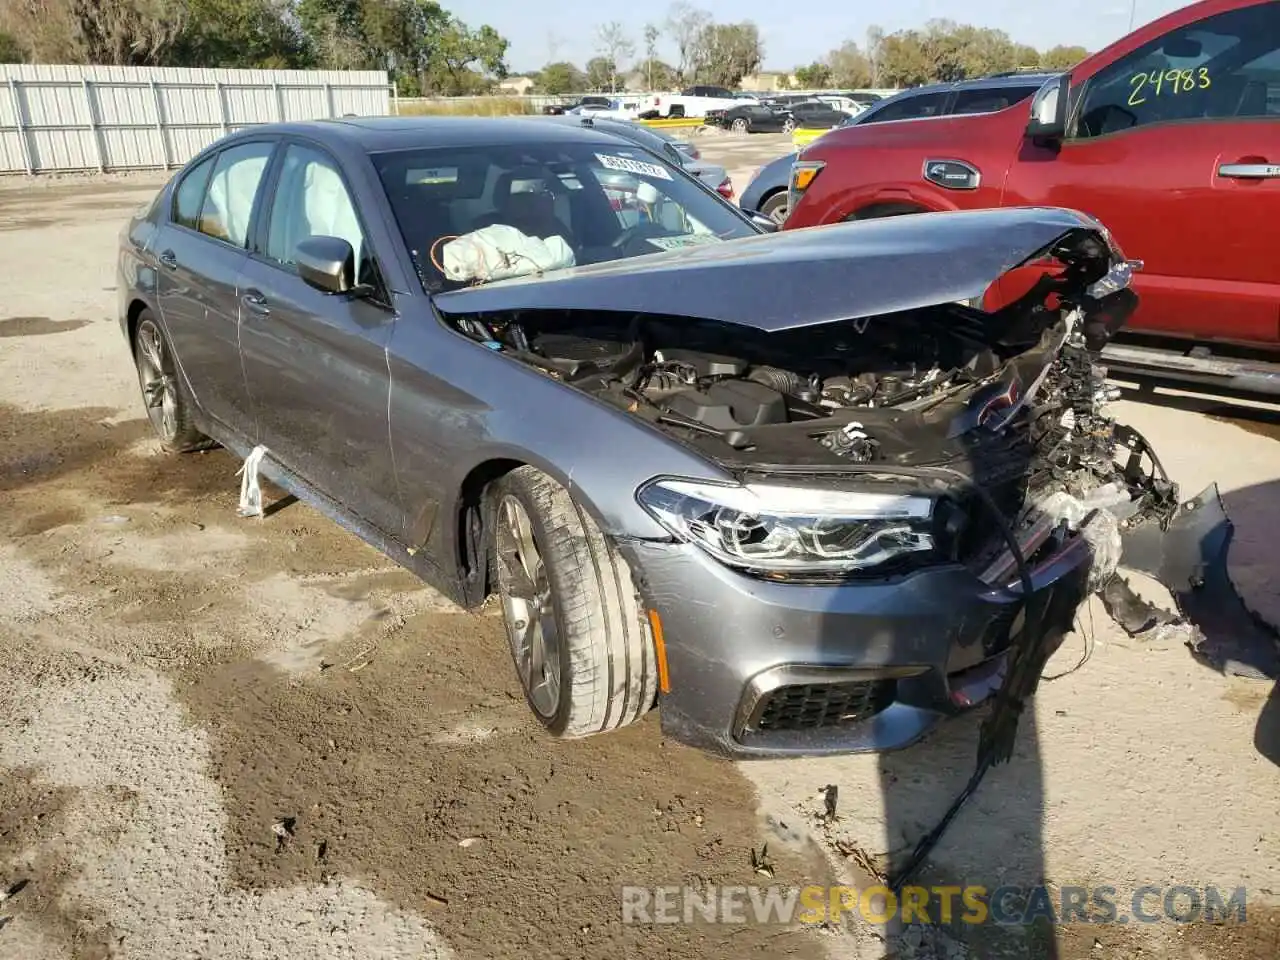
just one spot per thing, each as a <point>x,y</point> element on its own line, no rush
<point>925,105</point>
<point>189,196</point>
<point>233,187</point>
<point>990,100</point>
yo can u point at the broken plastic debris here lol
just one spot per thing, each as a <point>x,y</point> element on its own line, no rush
<point>468,842</point>
<point>250,491</point>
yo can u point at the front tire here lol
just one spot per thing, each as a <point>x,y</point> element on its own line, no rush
<point>169,407</point>
<point>788,125</point>
<point>739,125</point>
<point>579,640</point>
<point>776,207</point>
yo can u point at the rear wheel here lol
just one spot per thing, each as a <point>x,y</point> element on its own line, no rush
<point>168,405</point>
<point>579,641</point>
<point>739,125</point>
<point>776,207</point>
<point>788,125</point>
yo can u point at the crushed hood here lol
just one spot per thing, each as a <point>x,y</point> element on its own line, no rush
<point>798,278</point>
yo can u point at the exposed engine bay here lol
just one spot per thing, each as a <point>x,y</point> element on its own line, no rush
<point>1006,407</point>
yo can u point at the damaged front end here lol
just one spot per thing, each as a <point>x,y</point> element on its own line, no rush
<point>945,456</point>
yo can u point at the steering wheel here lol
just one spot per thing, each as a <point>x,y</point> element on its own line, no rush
<point>640,231</point>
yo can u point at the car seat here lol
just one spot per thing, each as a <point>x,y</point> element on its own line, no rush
<point>532,212</point>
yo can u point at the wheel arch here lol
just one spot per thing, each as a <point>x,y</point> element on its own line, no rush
<point>887,208</point>
<point>468,517</point>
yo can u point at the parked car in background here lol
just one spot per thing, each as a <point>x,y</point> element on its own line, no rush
<point>1170,137</point>
<point>674,151</point>
<point>751,118</point>
<point>681,485</point>
<point>619,108</point>
<point>695,102</point>
<point>556,109</point>
<point>766,193</point>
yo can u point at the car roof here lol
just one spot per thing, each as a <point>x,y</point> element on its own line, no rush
<point>994,82</point>
<point>378,134</point>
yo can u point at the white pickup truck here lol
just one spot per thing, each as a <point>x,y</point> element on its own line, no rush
<point>695,102</point>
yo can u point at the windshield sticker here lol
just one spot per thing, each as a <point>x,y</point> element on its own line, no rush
<point>417,176</point>
<point>687,240</point>
<point>1158,82</point>
<point>633,166</point>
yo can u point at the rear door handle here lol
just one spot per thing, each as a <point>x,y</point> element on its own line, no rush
<point>1250,171</point>
<point>255,302</point>
<point>168,259</point>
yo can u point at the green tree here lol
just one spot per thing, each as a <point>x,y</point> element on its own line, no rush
<point>11,51</point>
<point>615,47</point>
<point>1062,58</point>
<point>454,53</point>
<point>119,32</point>
<point>728,52</point>
<point>259,34</point>
<point>1025,56</point>
<point>813,77</point>
<point>600,74</point>
<point>850,67</point>
<point>657,74</point>
<point>560,78</point>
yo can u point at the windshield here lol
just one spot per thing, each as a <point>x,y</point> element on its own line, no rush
<point>474,214</point>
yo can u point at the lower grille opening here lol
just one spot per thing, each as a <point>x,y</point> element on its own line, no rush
<point>812,705</point>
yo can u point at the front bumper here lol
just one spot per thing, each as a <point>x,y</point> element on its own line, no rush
<point>768,669</point>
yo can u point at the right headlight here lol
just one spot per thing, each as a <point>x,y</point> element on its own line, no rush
<point>801,530</point>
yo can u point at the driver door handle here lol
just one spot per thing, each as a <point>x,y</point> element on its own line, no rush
<point>1250,171</point>
<point>168,259</point>
<point>255,302</point>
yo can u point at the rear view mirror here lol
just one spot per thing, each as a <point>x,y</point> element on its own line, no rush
<point>1182,48</point>
<point>326,263</point>
<point>1049,110</point>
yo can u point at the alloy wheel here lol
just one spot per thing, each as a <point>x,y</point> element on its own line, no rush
<point>739,126</point>
<point>157,378</point>
<point>528,607</point>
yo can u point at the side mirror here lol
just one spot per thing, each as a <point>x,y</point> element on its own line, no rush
<point>764,223</point>
<point>327,263</point>
<point>1049,110</point>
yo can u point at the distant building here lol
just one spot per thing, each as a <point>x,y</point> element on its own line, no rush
<point>767,82</point>
<point>516,86</point>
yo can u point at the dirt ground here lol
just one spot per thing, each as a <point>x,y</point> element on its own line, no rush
<point>227,738</point>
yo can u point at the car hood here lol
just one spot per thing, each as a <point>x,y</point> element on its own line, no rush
<point>797,278</point>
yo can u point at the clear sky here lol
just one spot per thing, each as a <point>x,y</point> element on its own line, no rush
<point>797,33</point>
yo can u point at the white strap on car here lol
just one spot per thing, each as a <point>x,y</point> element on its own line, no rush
<point>499,252</point>
<point>250,491</point>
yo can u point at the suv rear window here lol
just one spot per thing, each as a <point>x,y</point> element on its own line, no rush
<point>990,99</point>
<point>909,108</point>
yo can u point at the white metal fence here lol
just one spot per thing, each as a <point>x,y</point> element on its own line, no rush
<point>64,118</point>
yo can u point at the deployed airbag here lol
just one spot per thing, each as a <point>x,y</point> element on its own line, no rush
<point>499,252</point>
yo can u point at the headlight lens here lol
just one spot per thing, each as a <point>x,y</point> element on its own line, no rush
<point>767,528</point>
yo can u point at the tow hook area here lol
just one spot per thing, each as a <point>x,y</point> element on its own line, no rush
<point>1189,557</point>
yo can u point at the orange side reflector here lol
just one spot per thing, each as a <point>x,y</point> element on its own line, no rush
<point>660,649</point>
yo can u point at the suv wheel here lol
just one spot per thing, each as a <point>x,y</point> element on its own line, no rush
<point>579,640</point>
<point>168,406</point>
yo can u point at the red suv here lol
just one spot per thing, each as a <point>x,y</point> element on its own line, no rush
<point>1170,137</point>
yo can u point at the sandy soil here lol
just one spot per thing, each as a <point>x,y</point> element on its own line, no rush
<point>251,739</point>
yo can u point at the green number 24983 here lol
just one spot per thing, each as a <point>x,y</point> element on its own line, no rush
<point>1167,81</point>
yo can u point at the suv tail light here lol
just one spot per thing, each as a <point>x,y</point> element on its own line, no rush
<point>725,189</point>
